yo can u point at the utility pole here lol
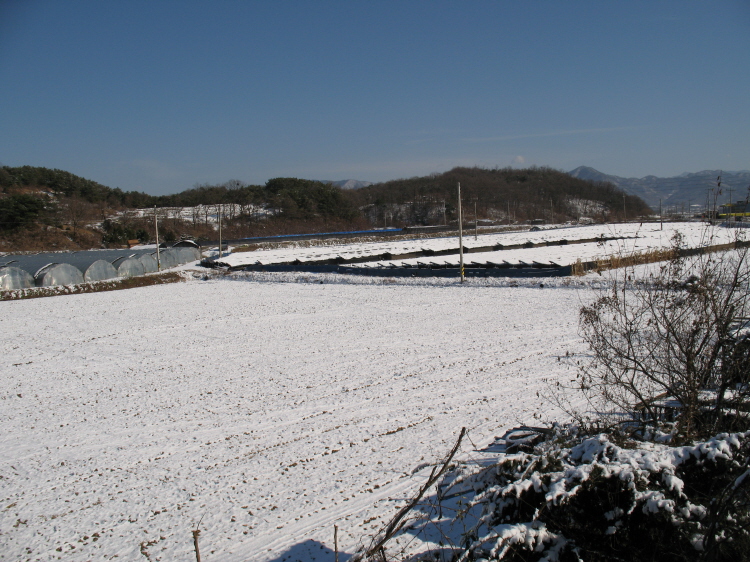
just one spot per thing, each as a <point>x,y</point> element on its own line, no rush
<point>731,207</point>
<point>661,217</point>
<point>718,192</point>
<point>624,212</point>
<point>476,221</point>
<point>156,227</point>
<point>460,234</point>
<point>220,231</point>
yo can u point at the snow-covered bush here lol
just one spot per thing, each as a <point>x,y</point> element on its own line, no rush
<point>589,498</point>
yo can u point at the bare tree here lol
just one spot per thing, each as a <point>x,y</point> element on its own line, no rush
<point>674,343</point>
<point>76,212</point>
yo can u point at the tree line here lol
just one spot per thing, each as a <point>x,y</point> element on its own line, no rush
<point>32,196</point>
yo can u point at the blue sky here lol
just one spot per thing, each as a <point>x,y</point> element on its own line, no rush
<point>159,96</point>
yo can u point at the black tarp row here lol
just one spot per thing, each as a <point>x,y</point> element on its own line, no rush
<point>474,270</point>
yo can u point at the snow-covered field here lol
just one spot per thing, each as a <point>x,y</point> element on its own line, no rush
<point>265,408</point>
<point>268,412</point>
<point>634,238</point>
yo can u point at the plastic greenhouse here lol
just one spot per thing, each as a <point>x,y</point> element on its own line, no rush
<point>128,266</point>
<point>90,264</point>
<point>14,278</point>
<point>148,262</point>
<point>169,258</point>
<point>66,268</point>
<point>58,274</point>
<point>187,254</point>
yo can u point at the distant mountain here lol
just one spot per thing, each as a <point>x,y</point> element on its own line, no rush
<point>349,184</point>
<point>678,191</point>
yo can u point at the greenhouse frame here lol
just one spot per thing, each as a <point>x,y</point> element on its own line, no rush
<point>70,268</point>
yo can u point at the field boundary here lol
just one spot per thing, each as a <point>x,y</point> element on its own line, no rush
<point>642,258</point>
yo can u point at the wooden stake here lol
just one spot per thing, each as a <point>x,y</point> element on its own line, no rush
<point>336,541</point>
<point>476,221</point>
<point>196,532</point>
<point>220,210</point>
<point>661,217</point>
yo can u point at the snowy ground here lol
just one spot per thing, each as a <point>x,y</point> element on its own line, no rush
<point>267,407</point>
<point>635,238</point>
<point>267,411</point>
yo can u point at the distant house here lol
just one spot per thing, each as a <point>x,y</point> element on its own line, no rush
<point>738,209</point>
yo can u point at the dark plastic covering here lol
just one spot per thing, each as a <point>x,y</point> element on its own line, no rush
<point>186,244</point>
<point>12,278</point>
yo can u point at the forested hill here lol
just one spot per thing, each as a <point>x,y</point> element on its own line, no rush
<point>42,208</point>
<point>507,193</point>
<point>521,194</point>
<point>299,197</point>
<point>62,183</point>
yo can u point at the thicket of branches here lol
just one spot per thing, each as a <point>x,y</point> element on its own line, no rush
<point>673,345</point>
